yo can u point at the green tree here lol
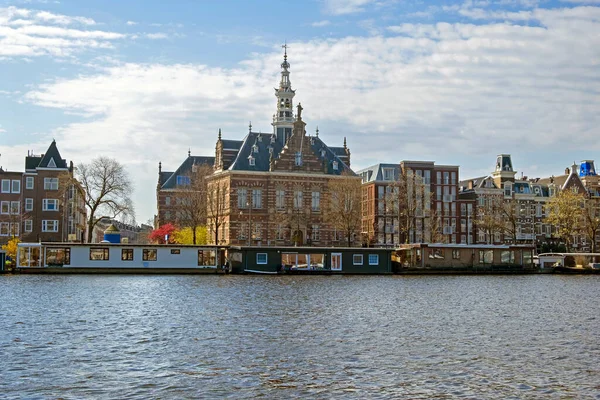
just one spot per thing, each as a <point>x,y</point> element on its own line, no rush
<point>564,213</point>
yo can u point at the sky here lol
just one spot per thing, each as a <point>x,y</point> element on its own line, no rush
<point>455,82</point>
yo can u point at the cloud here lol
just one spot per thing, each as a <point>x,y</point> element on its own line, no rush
<point>319,24</point>
<point>444,91</point>
<point>130,23</point>
<point>156,35</point>
<point>339,7</point>
<point>28,33</point>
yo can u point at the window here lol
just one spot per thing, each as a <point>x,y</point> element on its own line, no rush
<point>50,183</point>
<point>388,174</point>
<point>427,177</point>
<point>207,258</point>
<point>251,161</point>
<point>279,232</point>
<point>149,255</point>
<point>446,178</point>
<point>256,198</point>
<point>16,186</point>
<point>507,189</point>
<point>357,259</point>
<point>5,185</point>
<point>456,253</point>
<point>28,225</point>
<point>335,165</point>
<point>486,256</point>
<point>99,254</point>
<point>437,254</point>
<point>50,204</point>
<point>242,197</point>
<point>316,201</point>
<point>280,198</point>
<point>15,207</point>
<point>373,259</point>
<point>14,228</point>
<point>298,158</point>
<point>28,204</point>
<point>257,231</point>
<point>255,149</point>
<point>175,251</point>
<point>127,255</point>
<point>315,234</point>
<point>5,207</point>
<point>58,255</point>
<point>4,228</point>
<point>168,200</point>
<point>298,199</point>
<point>261,258</point>
<point>507,257</point>
<point>453,179</point>
<point>29,182</point>
<point>49,225</point>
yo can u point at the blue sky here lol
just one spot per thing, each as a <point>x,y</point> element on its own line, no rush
<point>456,82</point>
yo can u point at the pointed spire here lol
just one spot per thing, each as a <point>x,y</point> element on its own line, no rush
<point>219,133</point>
<point>345,143</point>
<point>317,130</point>
<point>250,126</point>
<point>285,64</point>
<point>189,152</point>
<point>159,167</point>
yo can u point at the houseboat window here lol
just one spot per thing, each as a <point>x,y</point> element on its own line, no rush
<point>373,259</point>
<point>357,259</point>
<point>317,261</point>
<point>456,254</point>
<point>127,255</point>
<point>527,259</point>
<point>486,256</point>
<point>261,258</point>
<point>288,259</point>
<point>149,255</point>
<point>437,254</point>
<point>99,254</point>
<point>507,257</point>
<point>207,257</point>
<point>175,251</point>
<point>59,256</point>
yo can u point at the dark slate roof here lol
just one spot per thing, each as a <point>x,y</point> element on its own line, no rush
<point>52,153</point>
<point>232,144</point>
<point>163,176</point>
<point>32,162</point>
<point>478,182</point>
<point>184,169</point>
<point>262,141</point>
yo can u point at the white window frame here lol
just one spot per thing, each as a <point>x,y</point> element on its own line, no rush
<point>373,259</point>
<point>28,225</point>
<point>280,198</point>
<point>16,183</point>
<point>46,222</point>
<point>4,228</point>
<point>298,199</point>
<point>5,207</point>
<point>316,201</point>
<point>256,198</point>
<point>242,197</point>
<point>15,228</point>
<point>355,258</point>
<point>46,202</point>
<point>315,234</point>
<point>5,185</point>
<point>29,182</point>
<point>15,207</point>
<point>29,204</point>
<point>260,260</point>
<point>50,183</point>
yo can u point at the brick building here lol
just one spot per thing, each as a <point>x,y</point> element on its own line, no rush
<point>42,203</point>
<point>274,185</point>
<point>411,202</point>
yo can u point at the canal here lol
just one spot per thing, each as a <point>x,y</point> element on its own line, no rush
<point>142,337</point>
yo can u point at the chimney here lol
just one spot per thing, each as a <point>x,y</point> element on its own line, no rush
<point>567,171</point>
<point>470,184</point>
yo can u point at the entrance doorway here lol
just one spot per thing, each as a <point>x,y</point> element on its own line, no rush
<point>336,261</point>
<point>298,238</point>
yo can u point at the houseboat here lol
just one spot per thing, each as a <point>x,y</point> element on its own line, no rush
<point>117,257</point>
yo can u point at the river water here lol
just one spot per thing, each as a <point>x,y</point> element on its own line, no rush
<point>421,337</point>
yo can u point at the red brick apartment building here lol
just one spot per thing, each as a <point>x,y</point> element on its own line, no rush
<point>36,206</point>
<point>411,202</point>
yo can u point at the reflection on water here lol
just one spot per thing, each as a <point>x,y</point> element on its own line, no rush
<point>106,336</point>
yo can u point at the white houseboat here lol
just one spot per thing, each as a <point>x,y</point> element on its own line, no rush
<point>107,257</point>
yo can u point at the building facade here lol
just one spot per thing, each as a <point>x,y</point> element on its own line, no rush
<point>269,188</point>
<point>411,202</point>
<point>44,203</point>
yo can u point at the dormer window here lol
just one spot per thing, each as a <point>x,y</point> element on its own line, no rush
<point>255,149</point>
<point>273,139</point>
<point>552,191</point>
<point>259,138</point>
<point>507,189</point>
<point>323,152</point>
<point>251,161</point>
<point>298,158</point>
<point>270,149</point>
<point>335,165</point>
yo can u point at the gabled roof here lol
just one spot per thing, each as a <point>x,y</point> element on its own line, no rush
<point>479,183</point>
<point>184,169</point>
<point>52,154</point>
<point>256,145</point>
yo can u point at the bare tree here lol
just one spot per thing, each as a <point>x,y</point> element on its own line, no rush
<point>191,200</point>
<point>344,205</point>
<point>107,190</point>
<point>217,206</point>
<point>509,212</point>
<point>591,220</point>
<point>488,218</point>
